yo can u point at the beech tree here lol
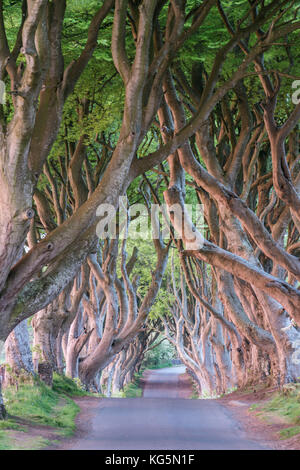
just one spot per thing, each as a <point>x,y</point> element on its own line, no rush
<point>18,290</point>
<point>207,117</point>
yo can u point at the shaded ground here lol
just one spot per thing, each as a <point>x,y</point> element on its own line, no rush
<point>158,421</point>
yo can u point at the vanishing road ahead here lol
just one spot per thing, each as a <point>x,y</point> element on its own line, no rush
<point>160,420</point>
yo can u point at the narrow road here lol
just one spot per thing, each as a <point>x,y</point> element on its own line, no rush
<point>163,383</point>
<point>161,421</point>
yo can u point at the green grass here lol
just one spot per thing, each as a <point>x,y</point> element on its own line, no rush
<point>11,424</point>
<point>286,406</point>
<point>42,405</point>
<point>283,405</point>
<point>195,392</point>
<point>5,442</point>
<point>254,407</point>
<point>289,432</point>
<point>39,404</point>
<point>133,390</point>
<point>67,386</point>
<point>71,387</point>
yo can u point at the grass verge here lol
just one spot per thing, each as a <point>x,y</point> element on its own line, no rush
<point>131,390</point>
<point>40,408</point>
<point>134,388</point>
<point>284,405</point>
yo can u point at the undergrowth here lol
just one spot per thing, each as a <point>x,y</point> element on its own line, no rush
<point>160,365</point>
<point>131,390</point>
<point>286,404</point>
<point>38,404</point>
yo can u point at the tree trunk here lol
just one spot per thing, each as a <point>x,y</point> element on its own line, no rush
<point>17,349</point>
<point>18,355</point>
<point>3,413</point>
<point>116,386</point>
<point>111,370</point>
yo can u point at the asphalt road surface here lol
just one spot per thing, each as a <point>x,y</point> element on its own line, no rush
<point>162,421</point>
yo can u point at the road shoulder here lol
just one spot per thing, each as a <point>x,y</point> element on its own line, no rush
<point>248,408</point>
